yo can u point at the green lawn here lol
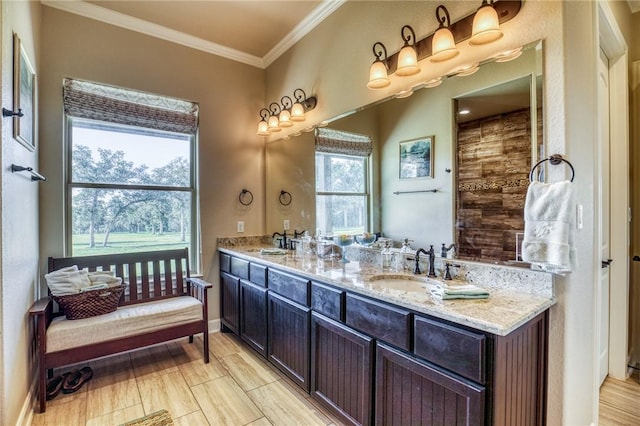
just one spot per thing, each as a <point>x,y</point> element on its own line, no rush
<point>127,242</point>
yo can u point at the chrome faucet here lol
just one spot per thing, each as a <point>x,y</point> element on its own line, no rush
<point>432,257</point>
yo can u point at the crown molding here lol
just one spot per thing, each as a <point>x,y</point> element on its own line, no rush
<point>319,14</point>
<point>118,19</point>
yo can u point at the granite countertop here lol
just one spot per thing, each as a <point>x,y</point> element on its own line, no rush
<point>509,305</point>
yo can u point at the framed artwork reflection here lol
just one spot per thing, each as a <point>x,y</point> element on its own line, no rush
<point>24,90</point>
<point>416,158</point>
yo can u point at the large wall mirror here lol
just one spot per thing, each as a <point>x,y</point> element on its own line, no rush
<point>473,185</point>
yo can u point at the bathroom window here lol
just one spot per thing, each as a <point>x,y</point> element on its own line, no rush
<point>131,186</point>
<point>342,182</point>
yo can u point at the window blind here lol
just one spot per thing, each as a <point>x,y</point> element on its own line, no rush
<point>101,102</point>
<point>341,142</point>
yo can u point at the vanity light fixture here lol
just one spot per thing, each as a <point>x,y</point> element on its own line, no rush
<point>284,118</point>
<point>486,26</point>
<point>408,56</point>
<point>263,126</point>
<point>378,76</point>
<point>277,116</point>
<point>302,105</point>
<point>443,46</point>
<point>274,124</point>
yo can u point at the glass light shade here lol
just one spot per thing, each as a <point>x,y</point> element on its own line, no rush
<point>443,47</point>
<point>285,118</point>
<point>407,61</point>
<point>273,124</point>
<point>297,112</point>
<point>509,55</point>
<point>263,128</point>
<point>486,27</point>
<point>378,77</point>
<point>435,82</point>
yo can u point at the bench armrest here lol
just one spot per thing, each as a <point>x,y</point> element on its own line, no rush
<point>199,283</point>
<point>40,307</point>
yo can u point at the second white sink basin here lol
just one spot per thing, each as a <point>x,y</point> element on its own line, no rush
<point>401,283</point>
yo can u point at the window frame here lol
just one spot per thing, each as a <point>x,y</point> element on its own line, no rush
<point>194,243</point>
<point>367,188</point>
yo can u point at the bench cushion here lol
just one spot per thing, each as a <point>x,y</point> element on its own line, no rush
<point>126,321</point>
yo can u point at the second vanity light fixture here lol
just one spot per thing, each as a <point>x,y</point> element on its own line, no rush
<point>283,114</point>
<point>479,28</point>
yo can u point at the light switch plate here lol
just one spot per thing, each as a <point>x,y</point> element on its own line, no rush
<point>286,224</point>
<point>240,226</point>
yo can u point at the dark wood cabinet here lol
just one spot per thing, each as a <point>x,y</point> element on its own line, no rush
<point>374,362</point>
<point>342,369</point>
<point>289,338</point>
<point>253,316</point>
<point>230,302</point>
<point>412,392</point>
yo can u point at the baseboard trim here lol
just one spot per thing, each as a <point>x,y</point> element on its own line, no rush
<point>26,413</point>
<point>214,326</point>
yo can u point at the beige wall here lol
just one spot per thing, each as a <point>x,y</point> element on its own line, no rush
<point>229,95</point>
<point>19,202</point>
<point>333,60</point>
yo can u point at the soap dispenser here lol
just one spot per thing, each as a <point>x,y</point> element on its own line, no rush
<point>405,253</point>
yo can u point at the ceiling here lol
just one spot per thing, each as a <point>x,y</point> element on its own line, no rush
<point>252,32</point>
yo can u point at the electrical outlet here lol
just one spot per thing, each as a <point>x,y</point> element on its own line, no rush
<point>240,226</point>
<point>286,224</point>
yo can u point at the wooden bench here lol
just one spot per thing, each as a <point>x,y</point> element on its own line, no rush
<point>156,279</point>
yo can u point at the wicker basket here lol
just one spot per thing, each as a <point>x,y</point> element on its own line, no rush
<point>90,303</point>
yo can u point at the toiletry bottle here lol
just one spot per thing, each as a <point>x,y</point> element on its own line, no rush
<point>387,257</point>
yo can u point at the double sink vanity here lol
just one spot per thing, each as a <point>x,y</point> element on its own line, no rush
<point>375,346</point>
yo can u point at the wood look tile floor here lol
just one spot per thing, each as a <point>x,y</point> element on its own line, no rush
<point>620,401</point>
<point>237,387</point>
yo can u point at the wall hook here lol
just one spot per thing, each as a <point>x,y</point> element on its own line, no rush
<point>35,176</point>
<point>11,113</point>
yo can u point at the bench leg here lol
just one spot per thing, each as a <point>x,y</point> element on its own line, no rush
<point>191,339</point>
<point>42,389</point>
<point>205,339</point>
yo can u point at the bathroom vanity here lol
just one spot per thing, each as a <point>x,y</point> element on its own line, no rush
<point>376,348</point>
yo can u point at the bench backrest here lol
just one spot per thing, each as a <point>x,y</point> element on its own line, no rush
<point>147,275</point>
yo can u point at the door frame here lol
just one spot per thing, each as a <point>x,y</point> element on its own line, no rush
<point>613,44</point>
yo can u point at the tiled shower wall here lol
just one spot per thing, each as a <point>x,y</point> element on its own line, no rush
<point>494,160</point>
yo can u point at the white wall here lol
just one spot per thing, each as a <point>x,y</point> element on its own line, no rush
<point>19,226</point>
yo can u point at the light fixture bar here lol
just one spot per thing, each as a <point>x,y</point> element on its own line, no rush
<point>461,30</point>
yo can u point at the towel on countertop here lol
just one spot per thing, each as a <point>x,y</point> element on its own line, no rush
<point>467,291</point>
<point>549,226</point>
<point>273,251</point>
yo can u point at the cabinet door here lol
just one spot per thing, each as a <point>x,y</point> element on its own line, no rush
<point>289,338</point>
<point>253,313</point>
<point>230,302</point>
<point>341,369</point>
<point>411,392</point>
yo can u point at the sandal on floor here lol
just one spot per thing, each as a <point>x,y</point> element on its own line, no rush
<point>76,379</point>
<point>54,385</point>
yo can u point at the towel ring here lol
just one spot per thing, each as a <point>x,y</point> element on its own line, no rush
<point>245,197</point>
<point>554,159</point>
<point>285,198</point>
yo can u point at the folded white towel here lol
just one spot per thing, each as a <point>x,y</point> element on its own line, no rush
<point>274,251</point>
<point>467,291</point>
<point>549,226</point>
<point>67,280</point>
<point>104,277</point>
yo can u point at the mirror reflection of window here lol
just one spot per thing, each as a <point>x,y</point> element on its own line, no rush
<point>342,183</point>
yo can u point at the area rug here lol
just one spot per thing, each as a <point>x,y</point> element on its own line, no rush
<point>159,418</point>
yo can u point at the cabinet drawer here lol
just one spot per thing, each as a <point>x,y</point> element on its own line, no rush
<point>385,322</point>
<point>240,268</point>
<point>289,286</point>
<point>453,348</point>
<point>327,300</point>
<point>225,262</point>
<point>258,274</point>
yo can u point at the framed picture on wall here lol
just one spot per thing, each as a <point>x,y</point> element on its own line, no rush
<point>24,90</point>
<point>416,158</point>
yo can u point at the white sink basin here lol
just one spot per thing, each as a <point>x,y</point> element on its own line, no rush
<point>406,283</point>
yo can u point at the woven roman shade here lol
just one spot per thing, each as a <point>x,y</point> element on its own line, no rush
<point>339,142</point>
<point>100,102</point>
